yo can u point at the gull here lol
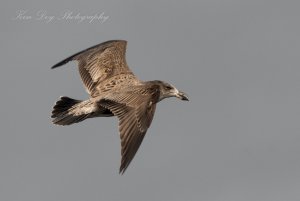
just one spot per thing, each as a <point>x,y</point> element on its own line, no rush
<point>114,91</point>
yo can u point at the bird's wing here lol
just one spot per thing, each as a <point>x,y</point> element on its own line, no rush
<point>135,112</point>
<point>99,63</point>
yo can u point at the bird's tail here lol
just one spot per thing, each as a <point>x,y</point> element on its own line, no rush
<point>67,111</point>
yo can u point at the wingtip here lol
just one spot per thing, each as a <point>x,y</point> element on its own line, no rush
<point>121,171</point>
<point>61,63</point>
<point>55,66</point>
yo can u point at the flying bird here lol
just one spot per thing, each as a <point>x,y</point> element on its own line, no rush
<point>114,91</point>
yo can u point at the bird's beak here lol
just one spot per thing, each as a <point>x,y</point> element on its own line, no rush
<point>182,96</point>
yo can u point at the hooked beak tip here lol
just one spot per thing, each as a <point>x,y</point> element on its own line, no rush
<point>183,96</point>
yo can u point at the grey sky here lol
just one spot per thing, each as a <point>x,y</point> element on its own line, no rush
<point>237,139</point>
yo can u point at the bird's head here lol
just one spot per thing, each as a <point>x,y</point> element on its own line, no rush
<point>167,90</point>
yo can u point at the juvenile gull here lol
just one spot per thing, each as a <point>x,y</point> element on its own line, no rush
<point>114,91</point>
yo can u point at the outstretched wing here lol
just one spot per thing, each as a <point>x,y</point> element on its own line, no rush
<point>135,112</point>
<point>99,63</point>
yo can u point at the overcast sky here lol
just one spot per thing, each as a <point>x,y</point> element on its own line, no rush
<point>237,139</point>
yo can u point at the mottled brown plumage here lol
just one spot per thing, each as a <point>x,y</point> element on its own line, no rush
<point>114,91</point>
